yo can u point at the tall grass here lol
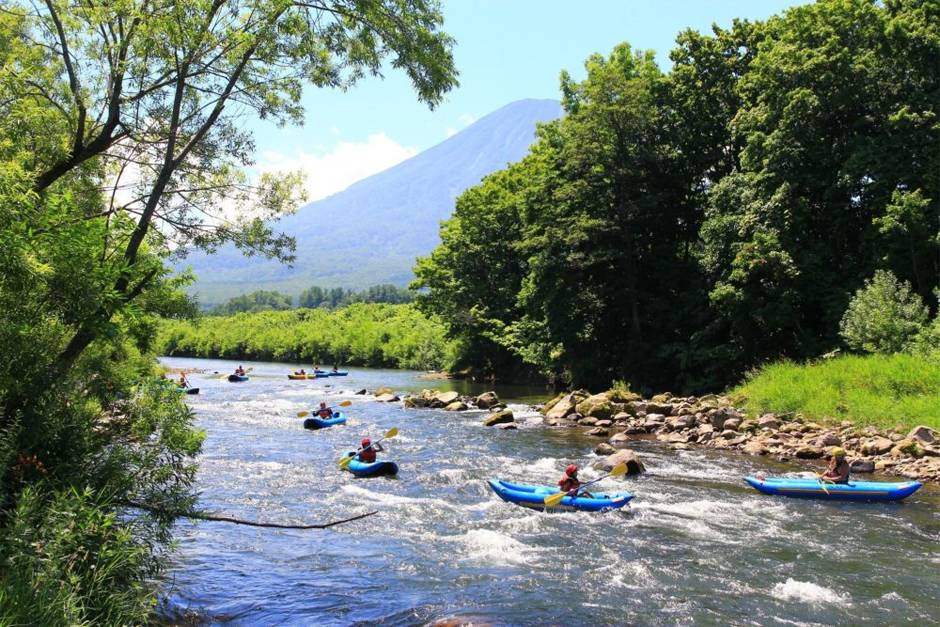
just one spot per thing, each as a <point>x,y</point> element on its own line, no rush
<point>889,391</point>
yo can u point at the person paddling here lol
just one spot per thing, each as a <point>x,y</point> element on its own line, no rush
<point>368,451</point>
<point>570,483</point>
<point>240,371</point>
<point>839,469</point>
<point>324,411</point>
<point>183,382</point>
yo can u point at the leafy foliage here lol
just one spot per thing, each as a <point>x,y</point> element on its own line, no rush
<point>362,334</point>
<point>884,317</point>
<point>262,300</point>
<point>675,229</point>
<point>331,298</point>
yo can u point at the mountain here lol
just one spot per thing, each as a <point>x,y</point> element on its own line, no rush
<point>372,231</point>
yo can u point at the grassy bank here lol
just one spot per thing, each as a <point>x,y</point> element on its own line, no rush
<point>880,390</point>
<point>376,335</point>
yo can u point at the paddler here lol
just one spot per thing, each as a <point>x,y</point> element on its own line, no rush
<point>368,451</point>
<point>324,411</point>
<point>838,470</point>
<point>240,371</point>
<point>183,383</point>
<point>570,483</point>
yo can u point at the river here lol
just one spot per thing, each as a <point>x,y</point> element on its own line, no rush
<point>696,546</point>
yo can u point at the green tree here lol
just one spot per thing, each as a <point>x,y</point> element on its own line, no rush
<point>884,317</point>
<point>261,300</point>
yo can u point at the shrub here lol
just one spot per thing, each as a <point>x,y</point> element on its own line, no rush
<point>884,316</point>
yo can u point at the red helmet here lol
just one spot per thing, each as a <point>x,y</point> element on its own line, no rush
<point>366,441</point>
<point>571,470</point>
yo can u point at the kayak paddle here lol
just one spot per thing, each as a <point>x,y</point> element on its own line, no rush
<point>301,414</point>
<point>554,499</point>
<point>391,433</point>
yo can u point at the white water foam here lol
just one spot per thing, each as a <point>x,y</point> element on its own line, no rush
<point>486,545</point>
<point>808,592</point>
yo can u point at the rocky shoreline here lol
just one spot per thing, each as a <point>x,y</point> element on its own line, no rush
<point>710,421</point>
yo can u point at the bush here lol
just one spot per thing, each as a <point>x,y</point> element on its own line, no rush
<point>884,316</point>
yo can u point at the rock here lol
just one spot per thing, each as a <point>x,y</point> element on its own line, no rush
<point>680,422</point>
<point>599,432</point>
<point>622,417</point>
<point>748,426</point>
<point>680,446</point>
<point>486,400</point>
<point>361,392</point>
<point>877,446</point>
<point>809,452</point>
<point>662,398</point>
<point>625,456</point>
<point>588,421</point>
<point>622,396</point>
<point>411,402</point>
<point>732,424</point>
<point>597,406</point>
<point>388,397</point>
<point>719,416</point>
<point>443,399</point>
<point>659,408</point>
<point>828,439</point>
<point>755,447</point>
<point>657,418</point>
<point>619,440</point>
<point>383,390</point>
<point>603,423</point>
<point>673,437</point>
<point>563,406</point>
<point>604,449</point>
<point>728,434</point>
<point>499,418</point>
<point>924,434</point>
<point>507,426</point>
<point>768,421</point>
<point>635,429</point>
<point>862,465</point>
<point>456,406</point>
<point>909,447</point>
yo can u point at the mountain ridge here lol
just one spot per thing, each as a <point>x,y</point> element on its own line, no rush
<point>382,222</point>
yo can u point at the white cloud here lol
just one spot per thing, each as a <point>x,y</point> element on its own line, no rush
<point>333,171</point>
<point>467,119</point>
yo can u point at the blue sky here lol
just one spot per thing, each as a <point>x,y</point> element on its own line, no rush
<point>506,50</point>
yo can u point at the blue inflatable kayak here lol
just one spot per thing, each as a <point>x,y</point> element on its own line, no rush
<point>534,497</point>
<point>339,373</point>
<point>235,378</point>
<point>339,418</point>
<point>852,491</point>
<point>375,469</point>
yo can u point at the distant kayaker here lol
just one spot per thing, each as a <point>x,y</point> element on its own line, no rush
<point>335,369</point>
<point>368,451</point>
<point>324,411</point>
<point>183,383</point>
<point>838,470</point>
<point>240,371</point>
<point>570,482</point>
<point>302,371</point>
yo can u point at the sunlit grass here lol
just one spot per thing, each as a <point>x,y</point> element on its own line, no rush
<point>880,390</point>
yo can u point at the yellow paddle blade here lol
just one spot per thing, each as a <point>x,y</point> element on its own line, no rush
<point>391,433</point>
<point>343,463</point>
<point>616,471</point>
<point>301,414</point>
<point>345,404</point>
<point>554,499</point>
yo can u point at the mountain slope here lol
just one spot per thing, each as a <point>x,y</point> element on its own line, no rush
<point>372,231</point>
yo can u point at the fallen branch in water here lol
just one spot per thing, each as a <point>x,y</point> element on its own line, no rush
<point>238,521</point>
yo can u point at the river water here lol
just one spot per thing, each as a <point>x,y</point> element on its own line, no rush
<point>696,546</point>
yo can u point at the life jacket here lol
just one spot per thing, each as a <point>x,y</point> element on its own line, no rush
<point>367,456</point>
<point>843,466</point>
<point>326,412</point>
<point>567,484</point>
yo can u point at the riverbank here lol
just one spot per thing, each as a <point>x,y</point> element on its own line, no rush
<point>714,422</point>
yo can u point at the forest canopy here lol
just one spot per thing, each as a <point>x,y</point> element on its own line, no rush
<point>676,228</point>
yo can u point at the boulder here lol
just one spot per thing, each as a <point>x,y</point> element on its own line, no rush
<point>662,398</point>
<point>862,465</point>
<point>604,449</point>
<point>768,421</point>
<point>619,440</point>
<point>673,437</point>
<point>680,422</point>
<point>456,406</point>
<point>877,446</point>
<point>622,396</point>
<point>732,424</point>
<point>924,434</point>
<point>443,399</point>
<point>809,452</point>
<point>718,417</point>
<point>411,402</point>
<point>908,447</point>
<point>588,421</point>
<point>635,429</point>
<point>500,417</point>
<point>748,426</point>
<point>383,390</point>
<point>597,406</point>
<point>599,432</point>
<point>388,397</point>
<point>659,408</point>
<point>755,447</point>
<point>486,400</point>
<point>829,439</point>
<point>562,407</point>
<point>361,392</point>
<point>622,417</point>
<point>506,426</point>
<point>603,423</point>
<point>625,456</point>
